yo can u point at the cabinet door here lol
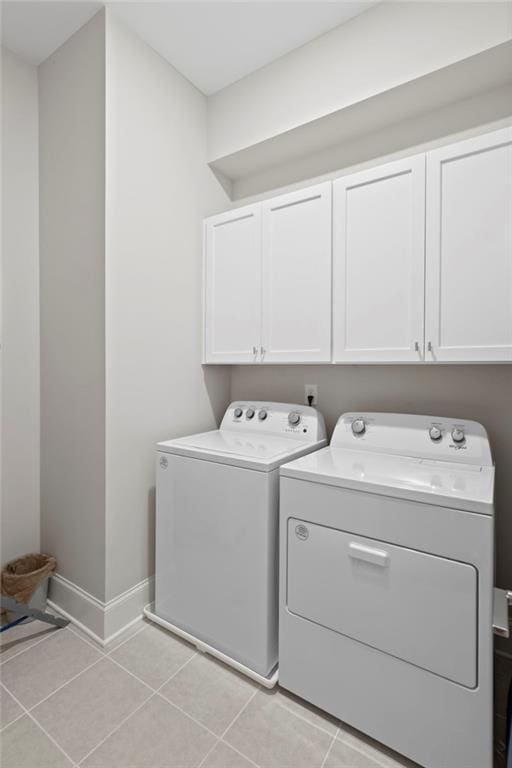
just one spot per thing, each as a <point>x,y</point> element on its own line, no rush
<point>379,262</point>
<point>469,250</point>
<point>296,308</point>
<point>232,292</point>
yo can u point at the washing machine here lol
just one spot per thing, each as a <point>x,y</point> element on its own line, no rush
<point>386,583</point>
<point>217,509</point>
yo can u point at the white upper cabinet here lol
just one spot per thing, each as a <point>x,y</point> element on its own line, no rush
<point>410,261</point>
<point>379,257</point>
<point>296,283</point>
<point>232,293</point>
<point>469,250</point>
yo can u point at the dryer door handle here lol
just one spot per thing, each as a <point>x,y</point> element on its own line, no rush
<point>368,554</point>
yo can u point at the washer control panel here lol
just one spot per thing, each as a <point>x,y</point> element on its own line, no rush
<point>286,419</point>
<point>424,437</point>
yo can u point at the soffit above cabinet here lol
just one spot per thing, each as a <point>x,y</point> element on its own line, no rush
<point>344,137</point>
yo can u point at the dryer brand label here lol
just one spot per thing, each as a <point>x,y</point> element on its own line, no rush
<point>164,462</point>
<point>301,532</point>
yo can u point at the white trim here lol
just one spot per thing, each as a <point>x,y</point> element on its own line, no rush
<point>82,627</point>
<point>102,621</point>
<point>267,682</point>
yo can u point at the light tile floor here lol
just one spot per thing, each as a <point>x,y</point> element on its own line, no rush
<point>151,701</point>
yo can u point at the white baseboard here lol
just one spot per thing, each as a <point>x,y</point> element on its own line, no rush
<point>102,621</point>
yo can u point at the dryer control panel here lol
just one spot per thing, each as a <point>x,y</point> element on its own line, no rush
<point>300,422</point>
<point>423,437</point>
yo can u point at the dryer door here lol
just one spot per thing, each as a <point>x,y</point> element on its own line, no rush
<point>418,607</point>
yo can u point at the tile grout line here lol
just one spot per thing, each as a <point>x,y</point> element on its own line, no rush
<point>330,747</point>
<point>221,737</point>
<point>305,719</point>
<point>190,717</point>
<point>38,725</point>
<point>377,759</point>
<point>111,733</point>
<point>123,642</point>
<point>49,635</point>
<point>140,680</point>
<point>158,691</point>
<point>85,669</point>
<point>18,717</point>
<point>76,631</point>
<point>63,685</point>
<point>154,692</point>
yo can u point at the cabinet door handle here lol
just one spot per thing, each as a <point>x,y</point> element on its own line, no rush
<point>429,346</point>
<point>416,346</point>
<point>368,554</point>
<point>255,351</point>
<point>262,351</point>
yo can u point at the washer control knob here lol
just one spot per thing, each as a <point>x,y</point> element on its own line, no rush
<point>249,414</point>
<point>294,419</point>
<point>435,433</point>
<point>262,415</point>
<point>458,435</point>
<point>358,426</point>
<point>238,413</point>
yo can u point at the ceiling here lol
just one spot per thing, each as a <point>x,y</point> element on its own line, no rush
<point>213,44</point>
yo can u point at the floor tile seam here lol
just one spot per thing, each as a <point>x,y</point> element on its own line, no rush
<point>63,685</point>
<point>132,674</point>
<point>140,680</point>
<point>32,645</point>
<point>77,632</point>
<point>127,640</point>
<point>208,753</point>
<point>242,709</point>
<point>18,717</point>
<point>154,692</point>
<point>364,752</point>
<point>233,721</point>
<point>43,730</point>
<point>329,749</point>
<point>182,666</point>
<point>305,719</point>
<point>187,714</point>
<point>238,751</point>
<point>151,695</point>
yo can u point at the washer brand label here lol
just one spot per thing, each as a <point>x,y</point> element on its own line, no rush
<point>164,462</point>
<point>301,532</point>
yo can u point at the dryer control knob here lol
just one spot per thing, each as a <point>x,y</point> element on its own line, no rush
<point>294,419</point>
<point>435,433</point>
<point>249,414</point>
<point>458,435</point>
<point>358,426</point>
<point>262,415</point>
<point>238,413</point>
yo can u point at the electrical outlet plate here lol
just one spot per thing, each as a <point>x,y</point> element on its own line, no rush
<point>311,390</point>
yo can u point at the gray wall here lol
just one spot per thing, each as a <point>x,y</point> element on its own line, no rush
<point>20,309</point>
<point>479,392</point>
<point>72,246</point>
<point>158,190</point>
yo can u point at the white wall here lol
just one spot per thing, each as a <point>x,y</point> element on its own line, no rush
<point>72,248</point>
<point>158,190</point>
<point>388,45</point>
<point>20,309</point>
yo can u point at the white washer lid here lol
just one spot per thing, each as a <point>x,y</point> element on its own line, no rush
<point>449,484</point>
<point>243,449</point>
